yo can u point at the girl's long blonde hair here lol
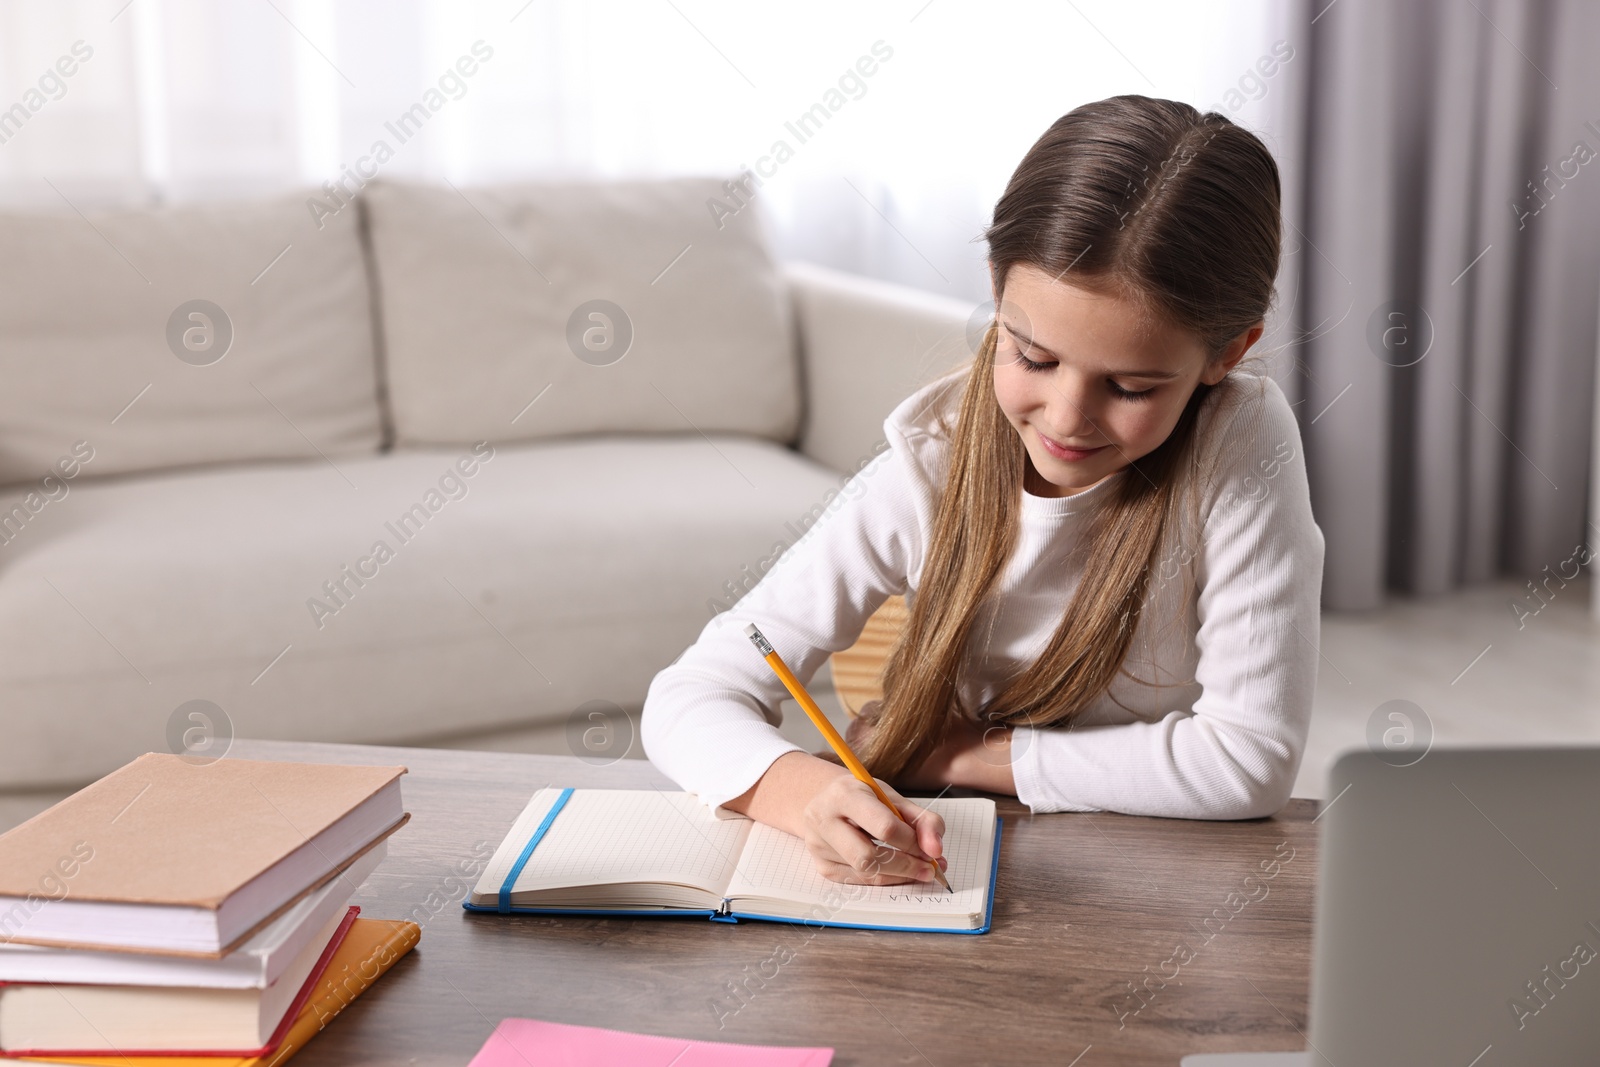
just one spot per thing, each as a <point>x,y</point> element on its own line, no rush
<point>1132,195</point>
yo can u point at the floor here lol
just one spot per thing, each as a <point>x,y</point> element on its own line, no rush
<point>1473,669</point>
<point>1479,671</point>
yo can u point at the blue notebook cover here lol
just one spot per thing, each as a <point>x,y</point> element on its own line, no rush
<point>504,907</point>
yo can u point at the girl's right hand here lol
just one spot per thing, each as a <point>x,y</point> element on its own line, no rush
<point>844,816</point>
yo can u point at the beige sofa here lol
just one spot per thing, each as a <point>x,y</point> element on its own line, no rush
<point>380,476</point>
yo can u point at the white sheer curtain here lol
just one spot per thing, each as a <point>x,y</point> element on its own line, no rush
<point>181,99</point>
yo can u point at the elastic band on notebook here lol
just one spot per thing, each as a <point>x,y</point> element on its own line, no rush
<point>527,850</point>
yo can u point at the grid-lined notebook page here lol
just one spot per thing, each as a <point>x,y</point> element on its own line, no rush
<point>777,865</point>
<point>609,836</point>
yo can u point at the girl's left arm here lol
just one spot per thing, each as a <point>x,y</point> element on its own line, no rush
<point>971,756</point>
<point>1235,754</point>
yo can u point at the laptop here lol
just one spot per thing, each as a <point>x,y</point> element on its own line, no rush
<point>1458,914</point>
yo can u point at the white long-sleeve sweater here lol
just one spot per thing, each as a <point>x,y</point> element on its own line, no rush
<point>1223,743</point>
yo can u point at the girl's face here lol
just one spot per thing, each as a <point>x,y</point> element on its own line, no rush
<point>1089,381</point>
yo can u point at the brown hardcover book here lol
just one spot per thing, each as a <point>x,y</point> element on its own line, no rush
<point>169,855</point>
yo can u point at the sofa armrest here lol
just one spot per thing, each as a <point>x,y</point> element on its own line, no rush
<point>866,345</point>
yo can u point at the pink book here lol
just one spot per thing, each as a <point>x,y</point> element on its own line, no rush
<point>520,1042</point>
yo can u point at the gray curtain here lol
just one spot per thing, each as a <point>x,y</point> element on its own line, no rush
<point>1439,294</point>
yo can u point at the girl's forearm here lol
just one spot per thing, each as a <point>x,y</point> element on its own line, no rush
<point>972,756</point>
<point>780,796</point>
<point>985,768</point>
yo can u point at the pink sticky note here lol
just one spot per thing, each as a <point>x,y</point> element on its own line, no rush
<point>535,1043</point>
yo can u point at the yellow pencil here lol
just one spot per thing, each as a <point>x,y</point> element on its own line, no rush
<point>840,747</point>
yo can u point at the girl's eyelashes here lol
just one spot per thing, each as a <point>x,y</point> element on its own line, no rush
<point>1116,390</point>
<point>1028,364</point>
<point>1128,394</point>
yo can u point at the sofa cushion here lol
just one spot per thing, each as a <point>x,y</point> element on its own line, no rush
<point>510,586</point>
<point>480,289</point>
<point>100,346</point>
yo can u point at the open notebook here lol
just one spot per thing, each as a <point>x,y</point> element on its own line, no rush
<point>649,852</point>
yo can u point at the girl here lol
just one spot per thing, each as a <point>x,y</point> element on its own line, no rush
<point>1100,524</point>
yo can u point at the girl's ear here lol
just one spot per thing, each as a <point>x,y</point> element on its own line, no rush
<point>1218,369</point>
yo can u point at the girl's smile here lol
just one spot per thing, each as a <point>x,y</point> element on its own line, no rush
<point>1062,452</point>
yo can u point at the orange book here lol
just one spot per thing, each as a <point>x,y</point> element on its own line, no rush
<point>371,947</point>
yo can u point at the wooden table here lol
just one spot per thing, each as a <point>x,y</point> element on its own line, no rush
<point>1081,967</point>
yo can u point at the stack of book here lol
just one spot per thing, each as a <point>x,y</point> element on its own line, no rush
<point>188,909</point>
